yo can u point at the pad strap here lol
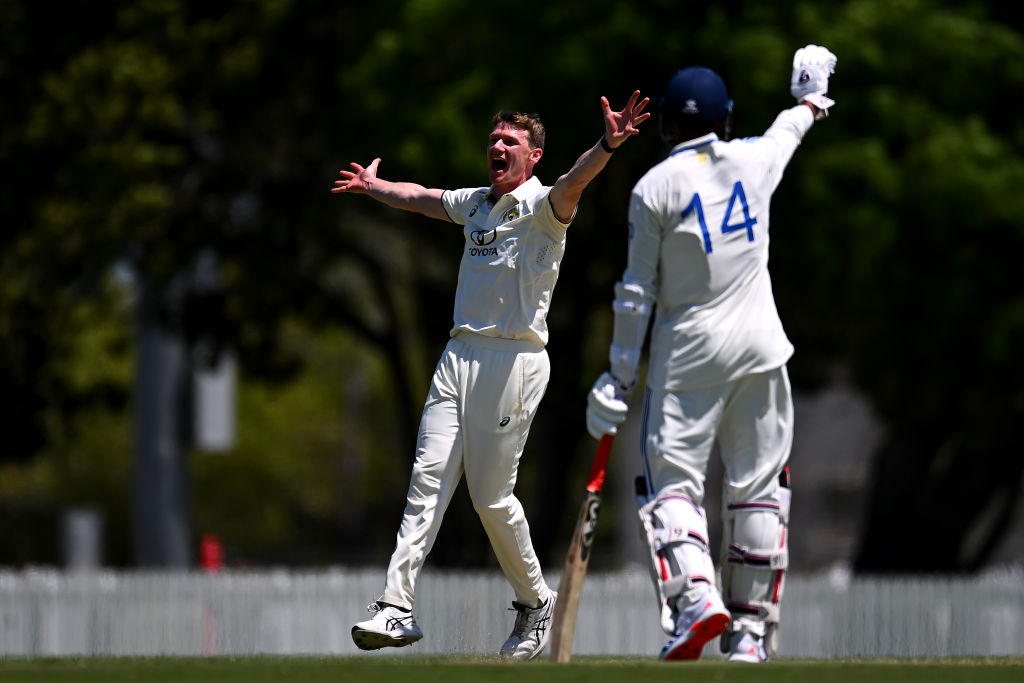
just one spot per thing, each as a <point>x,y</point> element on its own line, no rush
<point>762,610</point>
<point>767,558</point>
<point>761,558</point>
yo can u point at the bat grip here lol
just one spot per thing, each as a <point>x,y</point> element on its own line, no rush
<point>604,449</point>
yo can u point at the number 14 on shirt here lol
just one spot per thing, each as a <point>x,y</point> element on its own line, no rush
<point>738,195</point>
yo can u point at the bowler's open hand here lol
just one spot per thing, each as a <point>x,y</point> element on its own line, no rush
<point>619,125</point>
<point>359,181</point>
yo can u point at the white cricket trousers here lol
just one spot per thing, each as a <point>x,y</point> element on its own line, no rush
<point>477,415</point>
<point>751,418</point>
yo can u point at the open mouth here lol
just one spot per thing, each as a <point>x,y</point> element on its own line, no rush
<point>498,165</point>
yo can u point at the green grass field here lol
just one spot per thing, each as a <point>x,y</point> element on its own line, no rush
<point>383,669</point>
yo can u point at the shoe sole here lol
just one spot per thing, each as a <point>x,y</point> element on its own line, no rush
<point>371,640</point>
<point>692,645</point>
<point>746,659</point>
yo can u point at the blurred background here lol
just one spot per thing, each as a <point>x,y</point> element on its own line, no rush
<point>205,354</point>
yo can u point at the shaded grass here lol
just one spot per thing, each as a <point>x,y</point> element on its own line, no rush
<point>437,669</point>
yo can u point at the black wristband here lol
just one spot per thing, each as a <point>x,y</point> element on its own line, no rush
<point>605,146</point>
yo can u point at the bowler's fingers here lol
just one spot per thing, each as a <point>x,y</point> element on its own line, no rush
<point>631,113</point>
<point>638,120</point>
<point>631,125</point>
<point>346,178</point>
<point>632,100</point>
<point>341,185</point>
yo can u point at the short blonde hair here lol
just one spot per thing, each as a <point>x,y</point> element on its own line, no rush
<point>530,123</point>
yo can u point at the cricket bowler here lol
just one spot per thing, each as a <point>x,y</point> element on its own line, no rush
<point>494,370</point>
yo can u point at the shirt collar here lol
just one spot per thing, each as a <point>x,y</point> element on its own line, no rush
<point>694,143</point>
<point>521,192</point>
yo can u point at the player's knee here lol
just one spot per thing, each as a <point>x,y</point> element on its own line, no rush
<point>505,510</point>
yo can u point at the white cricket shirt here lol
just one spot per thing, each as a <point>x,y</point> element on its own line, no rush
<point>510,264</point>
<point>699,240</point>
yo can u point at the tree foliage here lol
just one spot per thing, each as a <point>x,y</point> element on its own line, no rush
<point>191,145</point>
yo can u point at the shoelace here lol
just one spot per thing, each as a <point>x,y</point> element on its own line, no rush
<point>523,621</point>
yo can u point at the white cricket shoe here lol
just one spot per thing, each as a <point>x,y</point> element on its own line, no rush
<point>697,624</point>
<point>746,647</point>
<point>530,635</point>
<point>388,627</point>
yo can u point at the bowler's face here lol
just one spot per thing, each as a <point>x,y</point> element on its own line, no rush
<point>510,159</point>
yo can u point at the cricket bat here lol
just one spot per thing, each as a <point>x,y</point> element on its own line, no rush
<point>564,627</point>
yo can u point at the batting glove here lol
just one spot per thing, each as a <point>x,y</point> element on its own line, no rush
<point>606,406</point>
<point>812,65</point>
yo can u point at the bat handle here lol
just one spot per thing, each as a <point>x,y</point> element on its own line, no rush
<point>604,449</point>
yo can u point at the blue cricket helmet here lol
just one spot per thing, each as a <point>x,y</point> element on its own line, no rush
<point>695,98</point>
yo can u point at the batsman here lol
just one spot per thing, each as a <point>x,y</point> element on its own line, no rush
<point>698,261</point>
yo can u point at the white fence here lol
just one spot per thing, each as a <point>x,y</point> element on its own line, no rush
<point>50,613</point>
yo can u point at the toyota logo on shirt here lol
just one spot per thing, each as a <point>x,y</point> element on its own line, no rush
<point>482,238</point>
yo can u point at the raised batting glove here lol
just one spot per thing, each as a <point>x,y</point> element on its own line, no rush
<point>812,65</point>
<point>606,406</point>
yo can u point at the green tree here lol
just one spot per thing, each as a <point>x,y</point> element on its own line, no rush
<point>164,140</point>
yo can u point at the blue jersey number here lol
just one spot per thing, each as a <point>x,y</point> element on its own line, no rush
<point>747,223</point>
